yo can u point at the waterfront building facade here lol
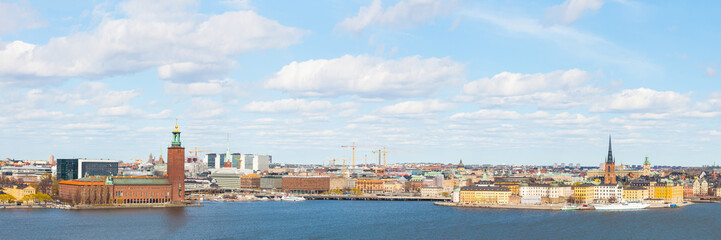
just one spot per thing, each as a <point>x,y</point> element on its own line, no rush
<point>484,195</point>
<point>271,182</point>
<point>608,192</point>
<point>370,185</point>
<point>668,192</point>
<point>584,193</point>
<point>19,192</point>
<point>250,181</point>
<point>119,190</point>
<point>306,184</point>
<point>434,192</point>
<point>635,193</point>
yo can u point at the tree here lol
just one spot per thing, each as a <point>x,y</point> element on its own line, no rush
<point>356,191</point>
<point>7,198</point>
<point>45,185</point>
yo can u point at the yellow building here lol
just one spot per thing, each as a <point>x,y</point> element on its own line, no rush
<point>19,193</point>
<point>635,193</point>
<point>584,193</point>
<point>484,195</point>
<point>669,192</point>
<point>513,186</point>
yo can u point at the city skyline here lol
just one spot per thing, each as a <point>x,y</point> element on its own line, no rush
<point>494,82</point>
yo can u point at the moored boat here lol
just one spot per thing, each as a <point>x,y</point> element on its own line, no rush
<point>292,198</point>
<point>621,206</point>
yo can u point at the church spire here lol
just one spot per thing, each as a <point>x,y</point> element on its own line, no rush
<point>610,158</point>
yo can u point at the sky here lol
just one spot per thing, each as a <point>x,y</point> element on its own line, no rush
<point>489,82</point>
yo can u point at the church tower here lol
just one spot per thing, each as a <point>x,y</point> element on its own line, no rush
<point>609,176</point>
<point>646,168</point>
<point>176,167</point>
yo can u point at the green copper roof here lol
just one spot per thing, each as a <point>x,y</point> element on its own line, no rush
<point>646,162</point>
<point>141,181</point>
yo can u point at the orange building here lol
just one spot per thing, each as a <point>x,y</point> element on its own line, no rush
<point>119,190</point>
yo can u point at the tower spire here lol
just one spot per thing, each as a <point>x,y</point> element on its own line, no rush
<point>610,158</point>
<point>228,158</point>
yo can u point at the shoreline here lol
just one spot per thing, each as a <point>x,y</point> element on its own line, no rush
<point>91,207</point>
<point>547,207</point>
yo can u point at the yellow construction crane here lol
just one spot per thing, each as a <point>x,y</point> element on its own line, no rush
<point>354,147</point>
<point>384,151</point>
<point>196,151</point>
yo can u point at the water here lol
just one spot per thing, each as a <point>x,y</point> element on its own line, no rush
<point>358,220</point>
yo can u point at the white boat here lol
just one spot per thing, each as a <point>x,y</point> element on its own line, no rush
<point>621,206</point>
<point>292,198</point>
<point>570,207</point>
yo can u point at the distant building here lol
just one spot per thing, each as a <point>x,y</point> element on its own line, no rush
<point>635,193</point>
<point>306,184</point>
<point>212,160</point>
<point>608,191</point>
<point>669,192</point>
<point>583,193</point>
<point>74,168</point>
<point>370,185</point>
<point>271,182</point>
<point>250,181</point>
<point>433,192</point>
<point>118,190</point>
<point>484,195</point>
<point>19,192</point>
<point>609,176</point>
<point>255,162</point>
<point>101,187</point>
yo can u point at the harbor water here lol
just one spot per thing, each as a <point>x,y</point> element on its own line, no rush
<point>358,220</point>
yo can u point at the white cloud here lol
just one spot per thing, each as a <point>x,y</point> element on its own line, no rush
<point>296,105</point>
<point>206,88</point>
<point>367,76</point>
<point>487,114</point>
<point>643,100</point>
<point>18,16</point>
<point>710,72</point>
<point>403,14</point>
<point>513,84</point>
<point>553,90</point>
<point>123,110</point>
<point>165,34</point>
<point>203,108</point>
<point>571,10</point>
<point>415,108</point>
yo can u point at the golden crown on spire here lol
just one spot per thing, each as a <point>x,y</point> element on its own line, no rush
<point>176,125</point>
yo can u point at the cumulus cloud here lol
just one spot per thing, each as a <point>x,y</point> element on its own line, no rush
<point>205,88</point>
<point>403,14</point>
<point>367,76</point>
<point>643,100</point>
<point>571,10</point>
<point>415,108</point>
<point>487,114</point>
<point>553,90</point>
<point>512,84</point>
<point>170,35</point>
<point>204,108</point>
<point>18,16</point>
<point>296,105</point>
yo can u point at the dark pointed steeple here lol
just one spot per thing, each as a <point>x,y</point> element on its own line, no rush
<point>610,158</point>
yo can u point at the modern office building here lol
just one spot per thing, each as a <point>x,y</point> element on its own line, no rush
<point>256,162</point>
<point>74,168</point>
<point>212,160</point>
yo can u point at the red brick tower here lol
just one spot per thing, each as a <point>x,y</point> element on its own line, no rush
<point>609,175</point>
<point>176,168</point>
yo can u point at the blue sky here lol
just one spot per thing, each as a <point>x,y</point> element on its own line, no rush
<point>516,82</point>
